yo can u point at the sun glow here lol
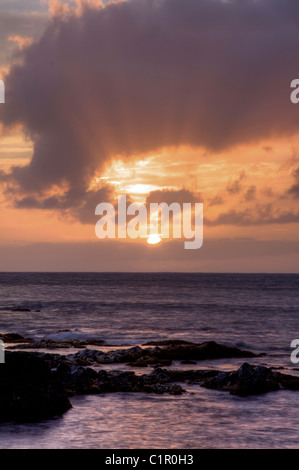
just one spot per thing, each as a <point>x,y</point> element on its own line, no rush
<point>154,239</point>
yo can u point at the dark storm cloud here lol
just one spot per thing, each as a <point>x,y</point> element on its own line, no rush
<point>79,205</point>
<point>139,75</point>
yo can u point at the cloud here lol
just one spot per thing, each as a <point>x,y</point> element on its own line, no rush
<point>267,148</point>
<point>18,26</point>
<point>72,203</point>
<point>137,76</point>
<point>250,194</point>
<point>217,200</point>
<point>294,189</point>
<point>236,187</point>
<point>169,196</point>
<point>260,215</point>
<point>20,40</point>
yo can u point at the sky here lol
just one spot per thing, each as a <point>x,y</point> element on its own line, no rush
<point>161,100</point>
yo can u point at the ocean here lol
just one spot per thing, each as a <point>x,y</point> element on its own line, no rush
<point>258,312</point>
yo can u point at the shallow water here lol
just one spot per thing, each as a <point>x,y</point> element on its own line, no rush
<point>206,419</point>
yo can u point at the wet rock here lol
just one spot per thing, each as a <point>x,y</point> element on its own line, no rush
<point>125,355</point>
<point>287,382</point>
<point>207,350</point>
<point>20,309</point>
<point>52,359</point>
<point>168,342</point>
<point>172,389</point>
<point>247,380</point>
<point>167,375</point>
<point>150,361</point>
<point>50,344</point>
<point>14,338</point>
<point>82,380</point>
<point>162,363</point>
<point>94,342</point>
<point>142,357</point>
<point>77,380</point>
<point>87,357</point>
<point>29,390</point>
<point>193,352</point>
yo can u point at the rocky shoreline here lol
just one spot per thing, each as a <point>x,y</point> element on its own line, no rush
<point>36,385</point>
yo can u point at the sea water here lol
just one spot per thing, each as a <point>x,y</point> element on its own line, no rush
<point>258,312</point>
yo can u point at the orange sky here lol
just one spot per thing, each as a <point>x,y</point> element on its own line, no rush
<point>245,189</point>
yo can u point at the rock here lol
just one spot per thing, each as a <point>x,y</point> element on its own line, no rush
<point>29,391</point>
<point>287,382</point>
<point>162,363</point>
<point>168,342</point>
<point>142,357</point>
<point>87,357</point>
<point>81,380</point>
<point>14,338</point>
<point>50,344</point>
<point>94,342</point>
<point>20,309</point>
<point>247,380</point>
<point>162,388</point>
<point>207,350</point>
<point>188,361</point>
<point>150,361</point>
<point>168,375</point>
<point>77,380</point>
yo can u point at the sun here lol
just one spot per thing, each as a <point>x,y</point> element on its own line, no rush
<point>154,239</point>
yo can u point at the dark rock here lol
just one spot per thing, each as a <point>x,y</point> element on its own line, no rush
<point>207,350</point>
<point>247,380</point>
<point>142,357</point>
<point>188,361</point>
<point>172,389</point>
<point>14,338</point>
<point>287,382</point>
<point>162,363</point>
<point>87,357</point>
<point>168,342</point>
<point>168,375</point>
<point>51,344</point>
<point>150,361</point>
<point>29,391</point>
<point>77,380</point>
<point>20,309</point>
<point>94,342</point>
<point>81,380</point>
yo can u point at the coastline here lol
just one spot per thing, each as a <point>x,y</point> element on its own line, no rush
<point>82,373</point>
